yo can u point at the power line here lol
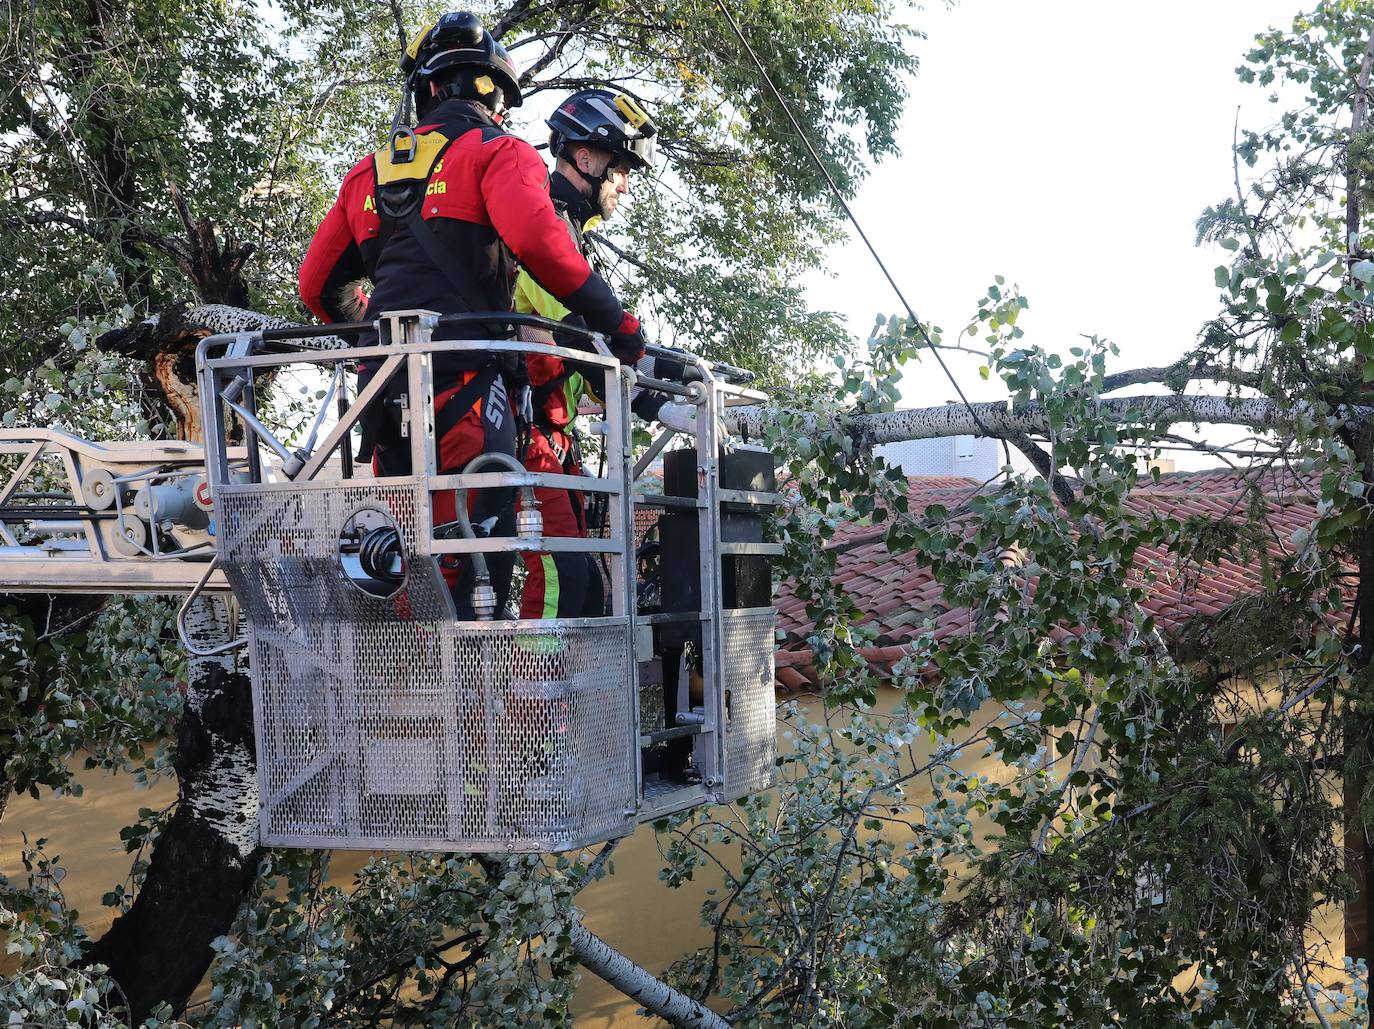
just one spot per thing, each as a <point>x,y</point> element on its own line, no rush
<point>834,188</point>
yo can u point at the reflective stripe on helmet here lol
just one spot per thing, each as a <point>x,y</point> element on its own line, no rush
<point>607,120</point>
<point>412,53</point>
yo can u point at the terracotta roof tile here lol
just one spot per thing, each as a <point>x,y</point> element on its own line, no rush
<point>899,597</point>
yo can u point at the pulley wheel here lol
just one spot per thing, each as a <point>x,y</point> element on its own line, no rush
<point>131,536</point>
<point>98,489</point>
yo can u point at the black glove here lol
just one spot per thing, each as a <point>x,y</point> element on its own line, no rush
<point>660,367</point>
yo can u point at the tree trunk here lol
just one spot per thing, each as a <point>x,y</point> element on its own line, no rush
<point>1358,730</point>
<point>1001,419</point>
<point>207,856</point>
<point>1358,854</point>
<point>214,266</point>
<point>1358,726</point>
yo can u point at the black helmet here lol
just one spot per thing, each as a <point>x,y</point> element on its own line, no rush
<point>458,40</point>
<point>606,120</point>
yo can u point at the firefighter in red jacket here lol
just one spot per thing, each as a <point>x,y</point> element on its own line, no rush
<point>437,219</point>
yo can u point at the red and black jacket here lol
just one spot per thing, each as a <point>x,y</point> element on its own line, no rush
<point>486,200</point>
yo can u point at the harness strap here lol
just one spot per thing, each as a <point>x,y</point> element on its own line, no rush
<point>463,401</point>
<point>400,202</point>
<point>539,395</point>
<point>445,418</point>
<point>443,259</point>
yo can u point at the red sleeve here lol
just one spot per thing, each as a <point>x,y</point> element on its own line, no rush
<point>516,194</point>
<point>543,368</point>
<point>333,260</point>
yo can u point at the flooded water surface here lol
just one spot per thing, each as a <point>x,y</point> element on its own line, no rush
<point>632,910</point>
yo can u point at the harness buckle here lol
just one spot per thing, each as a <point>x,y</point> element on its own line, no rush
<point>525,405</point>
<point>403,154</point>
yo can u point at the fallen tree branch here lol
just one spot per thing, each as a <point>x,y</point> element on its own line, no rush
<point>1000,418</point>
<point>654,995</point>
<point>177,326</point>
<point>1044,465</point>
<point>1003,420</point>
<point>1181,372</point>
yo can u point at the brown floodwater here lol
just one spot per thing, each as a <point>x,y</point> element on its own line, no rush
<point>631,910</point>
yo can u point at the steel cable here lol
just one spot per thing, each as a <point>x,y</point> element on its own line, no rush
<point>834,188</point>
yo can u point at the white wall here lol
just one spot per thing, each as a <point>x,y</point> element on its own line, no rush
<point>969,456</point>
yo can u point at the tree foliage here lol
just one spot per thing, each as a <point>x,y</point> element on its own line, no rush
<point>153,153</point>
<point>1161,827</point>
<point>193,148</point>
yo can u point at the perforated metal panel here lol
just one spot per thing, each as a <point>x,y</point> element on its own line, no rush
<point>382,723</point>
<point>280,550</point>
<point>751,727</point>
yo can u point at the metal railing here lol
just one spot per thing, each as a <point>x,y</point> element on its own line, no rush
<point>382,719</point>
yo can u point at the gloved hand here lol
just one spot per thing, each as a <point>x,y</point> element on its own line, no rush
<point>627,340</point>
<point>680,417</point>
<point>660,367</point>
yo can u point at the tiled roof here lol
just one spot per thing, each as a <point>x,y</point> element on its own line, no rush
<point>899,597</point>
<point>922,491</point>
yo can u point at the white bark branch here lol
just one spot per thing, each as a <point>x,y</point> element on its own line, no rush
<point>999,417</point>
<point>1002,419</point>
<point>604,961</point>
<point>1210,372</point>
<point>222,318</point>
<point>223,792</point>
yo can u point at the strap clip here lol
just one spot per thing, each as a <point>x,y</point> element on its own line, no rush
<point>403,154</point>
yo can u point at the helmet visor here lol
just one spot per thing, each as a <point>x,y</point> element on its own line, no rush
<point>640,151</point>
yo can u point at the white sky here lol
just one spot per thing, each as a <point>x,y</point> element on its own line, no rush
<point>1068,145</point>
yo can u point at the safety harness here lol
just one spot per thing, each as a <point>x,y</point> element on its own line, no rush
<point>403,169</point>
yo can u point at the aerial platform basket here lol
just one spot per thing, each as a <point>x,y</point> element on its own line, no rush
<point>383,721</point>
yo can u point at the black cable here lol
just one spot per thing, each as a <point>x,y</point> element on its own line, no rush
<point>806,141</point>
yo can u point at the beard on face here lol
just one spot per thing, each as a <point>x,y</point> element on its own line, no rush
<point>607,199</point>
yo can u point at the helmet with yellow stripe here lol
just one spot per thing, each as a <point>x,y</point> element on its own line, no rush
<point>459,56</point>
<point>606,120</point>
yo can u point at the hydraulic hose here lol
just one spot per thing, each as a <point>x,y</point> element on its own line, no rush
<point>530,524</point>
